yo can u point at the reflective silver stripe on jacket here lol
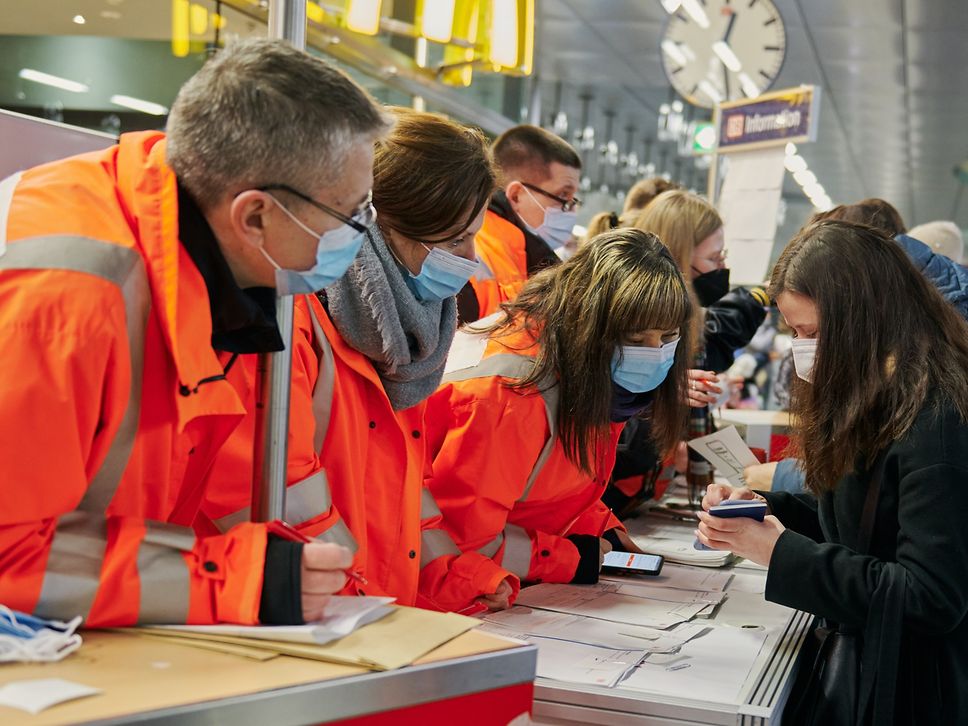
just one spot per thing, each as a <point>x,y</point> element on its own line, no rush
<point>305,500</point>
<point>435,542</point>
<point>163,573</point>
<point>512,365</point>
<point>325,383</point>
<point>517,551</point>
<point>73,568</point>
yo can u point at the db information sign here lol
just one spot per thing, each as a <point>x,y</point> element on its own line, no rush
<point>772,119</point>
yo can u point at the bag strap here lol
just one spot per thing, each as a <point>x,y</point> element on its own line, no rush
<point>870,504</point>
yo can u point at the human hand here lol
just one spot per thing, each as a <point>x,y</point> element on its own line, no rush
<point>604,547</point>
<point>760,475</point>
<point>718,493</point>
<point>743,536</point>
<point>703,388</point>
<point>500,599</point>
<point>323,574</point>
<point>627,544</point>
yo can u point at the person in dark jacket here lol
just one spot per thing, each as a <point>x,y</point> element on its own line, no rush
<point>881,396</point>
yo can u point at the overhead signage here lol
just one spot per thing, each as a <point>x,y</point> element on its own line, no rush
<point>773,119</point>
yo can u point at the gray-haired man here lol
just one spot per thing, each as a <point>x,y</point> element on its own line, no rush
<point>130,280</point>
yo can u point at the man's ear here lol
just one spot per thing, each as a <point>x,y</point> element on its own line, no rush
<point>513,192</point>
<point>247,216</point>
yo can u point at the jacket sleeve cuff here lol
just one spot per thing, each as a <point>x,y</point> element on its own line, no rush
<point>611,536</point>
<point>281,602</point>
<point>589,552</point>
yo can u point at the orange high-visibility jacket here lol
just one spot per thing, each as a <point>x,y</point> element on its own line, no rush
<point>112,402</point>
<point>500,475</point>
<point>500,246</point>
<point>355,469</point>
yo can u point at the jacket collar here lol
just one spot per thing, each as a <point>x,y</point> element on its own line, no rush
<point>148,192</point>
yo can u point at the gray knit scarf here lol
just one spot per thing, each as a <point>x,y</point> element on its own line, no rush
<point>377,314</point>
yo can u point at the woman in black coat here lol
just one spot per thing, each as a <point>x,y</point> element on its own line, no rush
<point>881,396</point>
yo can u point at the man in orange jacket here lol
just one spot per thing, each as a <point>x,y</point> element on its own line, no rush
<point>130,282</point>
<point>530,216</point>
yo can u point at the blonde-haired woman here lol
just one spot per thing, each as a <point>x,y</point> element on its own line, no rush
<point>523,431</point>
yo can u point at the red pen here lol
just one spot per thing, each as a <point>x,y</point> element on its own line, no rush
<point>608,517</point>
<point>286,531</point>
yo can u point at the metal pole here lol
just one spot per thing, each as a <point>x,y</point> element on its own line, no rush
<point>287,20</point>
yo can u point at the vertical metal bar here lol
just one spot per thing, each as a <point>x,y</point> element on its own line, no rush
<point>287,20</point>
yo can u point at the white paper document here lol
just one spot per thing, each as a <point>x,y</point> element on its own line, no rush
<point>658,593</point>
<point>727,452</point>
<point>342,616</point>
<point>590,631</point>
<point>563,660</point>
<point>682,552</point>
<point>691,578</point>
<point>38,694</point>
<point>604,601</point>
<point>715,665</point>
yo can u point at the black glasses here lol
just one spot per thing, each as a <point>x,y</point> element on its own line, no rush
<point>567,205</point>
<point>363,218</point>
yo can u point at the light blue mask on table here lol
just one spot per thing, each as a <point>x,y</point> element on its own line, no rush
<point>26,638</point>
<point>335,253</point>
<point>639,368</point>
<point>442,275</point>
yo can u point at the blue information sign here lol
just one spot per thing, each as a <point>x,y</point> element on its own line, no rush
<point>772,119</point>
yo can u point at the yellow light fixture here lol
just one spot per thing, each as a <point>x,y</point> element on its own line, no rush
<point>509,42</point>
<point>315,13</point>
<point>198,19</point>
<point>180,28</point>
<point>467,21</point>
<point>363,16</point>
<point>436,19</point>
<point>502,33</point>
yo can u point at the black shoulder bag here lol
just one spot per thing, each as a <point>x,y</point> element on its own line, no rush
<point>837,692</point>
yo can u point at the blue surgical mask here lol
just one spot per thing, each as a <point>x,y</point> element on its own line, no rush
<point>442,275</point>
<point>27,638</point>
<point>335,253</point>
<point>557,225</point>
<point>638,368</point>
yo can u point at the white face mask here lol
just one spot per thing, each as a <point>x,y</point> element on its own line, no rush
<point>26,638</point>
<point>804,352</point>
<point>556,227</point>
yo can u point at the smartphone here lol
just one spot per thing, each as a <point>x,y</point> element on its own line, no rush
<point>628,563</point>
<point>752,508</point>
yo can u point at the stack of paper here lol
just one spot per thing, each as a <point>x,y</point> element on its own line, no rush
<point>682,552</point>
<point>342,616</point>
<point>395,640</point>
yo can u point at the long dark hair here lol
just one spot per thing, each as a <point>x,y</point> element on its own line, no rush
<point>618,284</point>
<point>887,341</point>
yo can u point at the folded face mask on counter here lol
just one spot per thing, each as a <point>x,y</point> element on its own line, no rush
<point>27,638</point>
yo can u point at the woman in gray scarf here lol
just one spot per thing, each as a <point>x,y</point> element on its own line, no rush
<point>367,352</point>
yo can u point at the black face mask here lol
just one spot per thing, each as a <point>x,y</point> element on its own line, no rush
<point>711,286</point>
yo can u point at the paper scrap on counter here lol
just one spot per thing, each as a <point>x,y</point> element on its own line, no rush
<point>604,601</point>
<point>563,660</point>
<point>38,694</point>
<point>716,665</point>
<point>343,615</point>
<point>727,452</point>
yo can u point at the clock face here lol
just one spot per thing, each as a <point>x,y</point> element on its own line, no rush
<point>723,50</point>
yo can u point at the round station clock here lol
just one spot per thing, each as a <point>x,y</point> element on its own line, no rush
<point>722,50</point>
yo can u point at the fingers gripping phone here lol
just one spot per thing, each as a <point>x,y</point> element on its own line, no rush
<point>628,563</point>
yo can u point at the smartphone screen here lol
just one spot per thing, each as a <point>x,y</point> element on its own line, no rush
<point>635,563</point>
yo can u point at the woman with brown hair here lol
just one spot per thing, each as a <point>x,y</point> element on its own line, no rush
<point>524,428</point>
<point>882,549</point>
<point>368,351</point>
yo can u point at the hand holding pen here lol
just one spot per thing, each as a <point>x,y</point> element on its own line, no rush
<point>323,570</point>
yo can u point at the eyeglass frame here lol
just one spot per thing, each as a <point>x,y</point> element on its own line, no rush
<point>567,205</point>
<point>365,210</point>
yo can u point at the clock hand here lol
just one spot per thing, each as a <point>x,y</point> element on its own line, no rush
<point>729,27</point>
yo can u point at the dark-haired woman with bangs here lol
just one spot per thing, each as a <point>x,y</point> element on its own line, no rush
<point>524,429</point>
<point>882,551</point>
